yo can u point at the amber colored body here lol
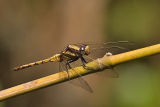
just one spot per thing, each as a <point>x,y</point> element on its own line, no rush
<point>70,54</point>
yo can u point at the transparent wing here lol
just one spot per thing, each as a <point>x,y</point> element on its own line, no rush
<point>106,43</point>
<point>101,48</point>
<point>80,82</point>
<point>97,50</point>
<point>108,73</point>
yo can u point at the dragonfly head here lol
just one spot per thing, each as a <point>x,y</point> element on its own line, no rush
<point>85,50</point>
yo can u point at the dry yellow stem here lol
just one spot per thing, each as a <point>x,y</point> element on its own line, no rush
<point>97,65</point>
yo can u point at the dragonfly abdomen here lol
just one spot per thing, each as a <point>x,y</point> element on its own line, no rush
<point>55,58</point>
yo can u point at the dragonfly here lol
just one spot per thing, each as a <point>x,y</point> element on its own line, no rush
<point>72,53</point>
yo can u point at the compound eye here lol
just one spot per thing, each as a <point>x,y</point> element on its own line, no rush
<point>82,48</point>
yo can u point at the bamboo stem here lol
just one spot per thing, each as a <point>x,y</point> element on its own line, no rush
<point>96,65</point>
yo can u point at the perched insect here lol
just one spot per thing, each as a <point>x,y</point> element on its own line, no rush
<point>71,54</point>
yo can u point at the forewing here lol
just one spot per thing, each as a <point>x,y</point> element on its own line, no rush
<point>100,48</point>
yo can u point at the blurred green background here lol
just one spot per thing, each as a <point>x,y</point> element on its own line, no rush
<point>31,30</point>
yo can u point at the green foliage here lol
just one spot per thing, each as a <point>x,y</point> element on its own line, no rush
<point>134,20</point>
<point>138,86</point>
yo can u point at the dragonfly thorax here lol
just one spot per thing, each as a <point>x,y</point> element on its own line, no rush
<point>74,52</point>
<point>81,49</point>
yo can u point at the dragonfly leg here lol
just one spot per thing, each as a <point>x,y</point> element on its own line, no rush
<point>84,64</point>
<point>68,66</point>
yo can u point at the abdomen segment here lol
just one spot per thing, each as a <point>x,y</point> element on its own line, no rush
<point>55,58</point>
